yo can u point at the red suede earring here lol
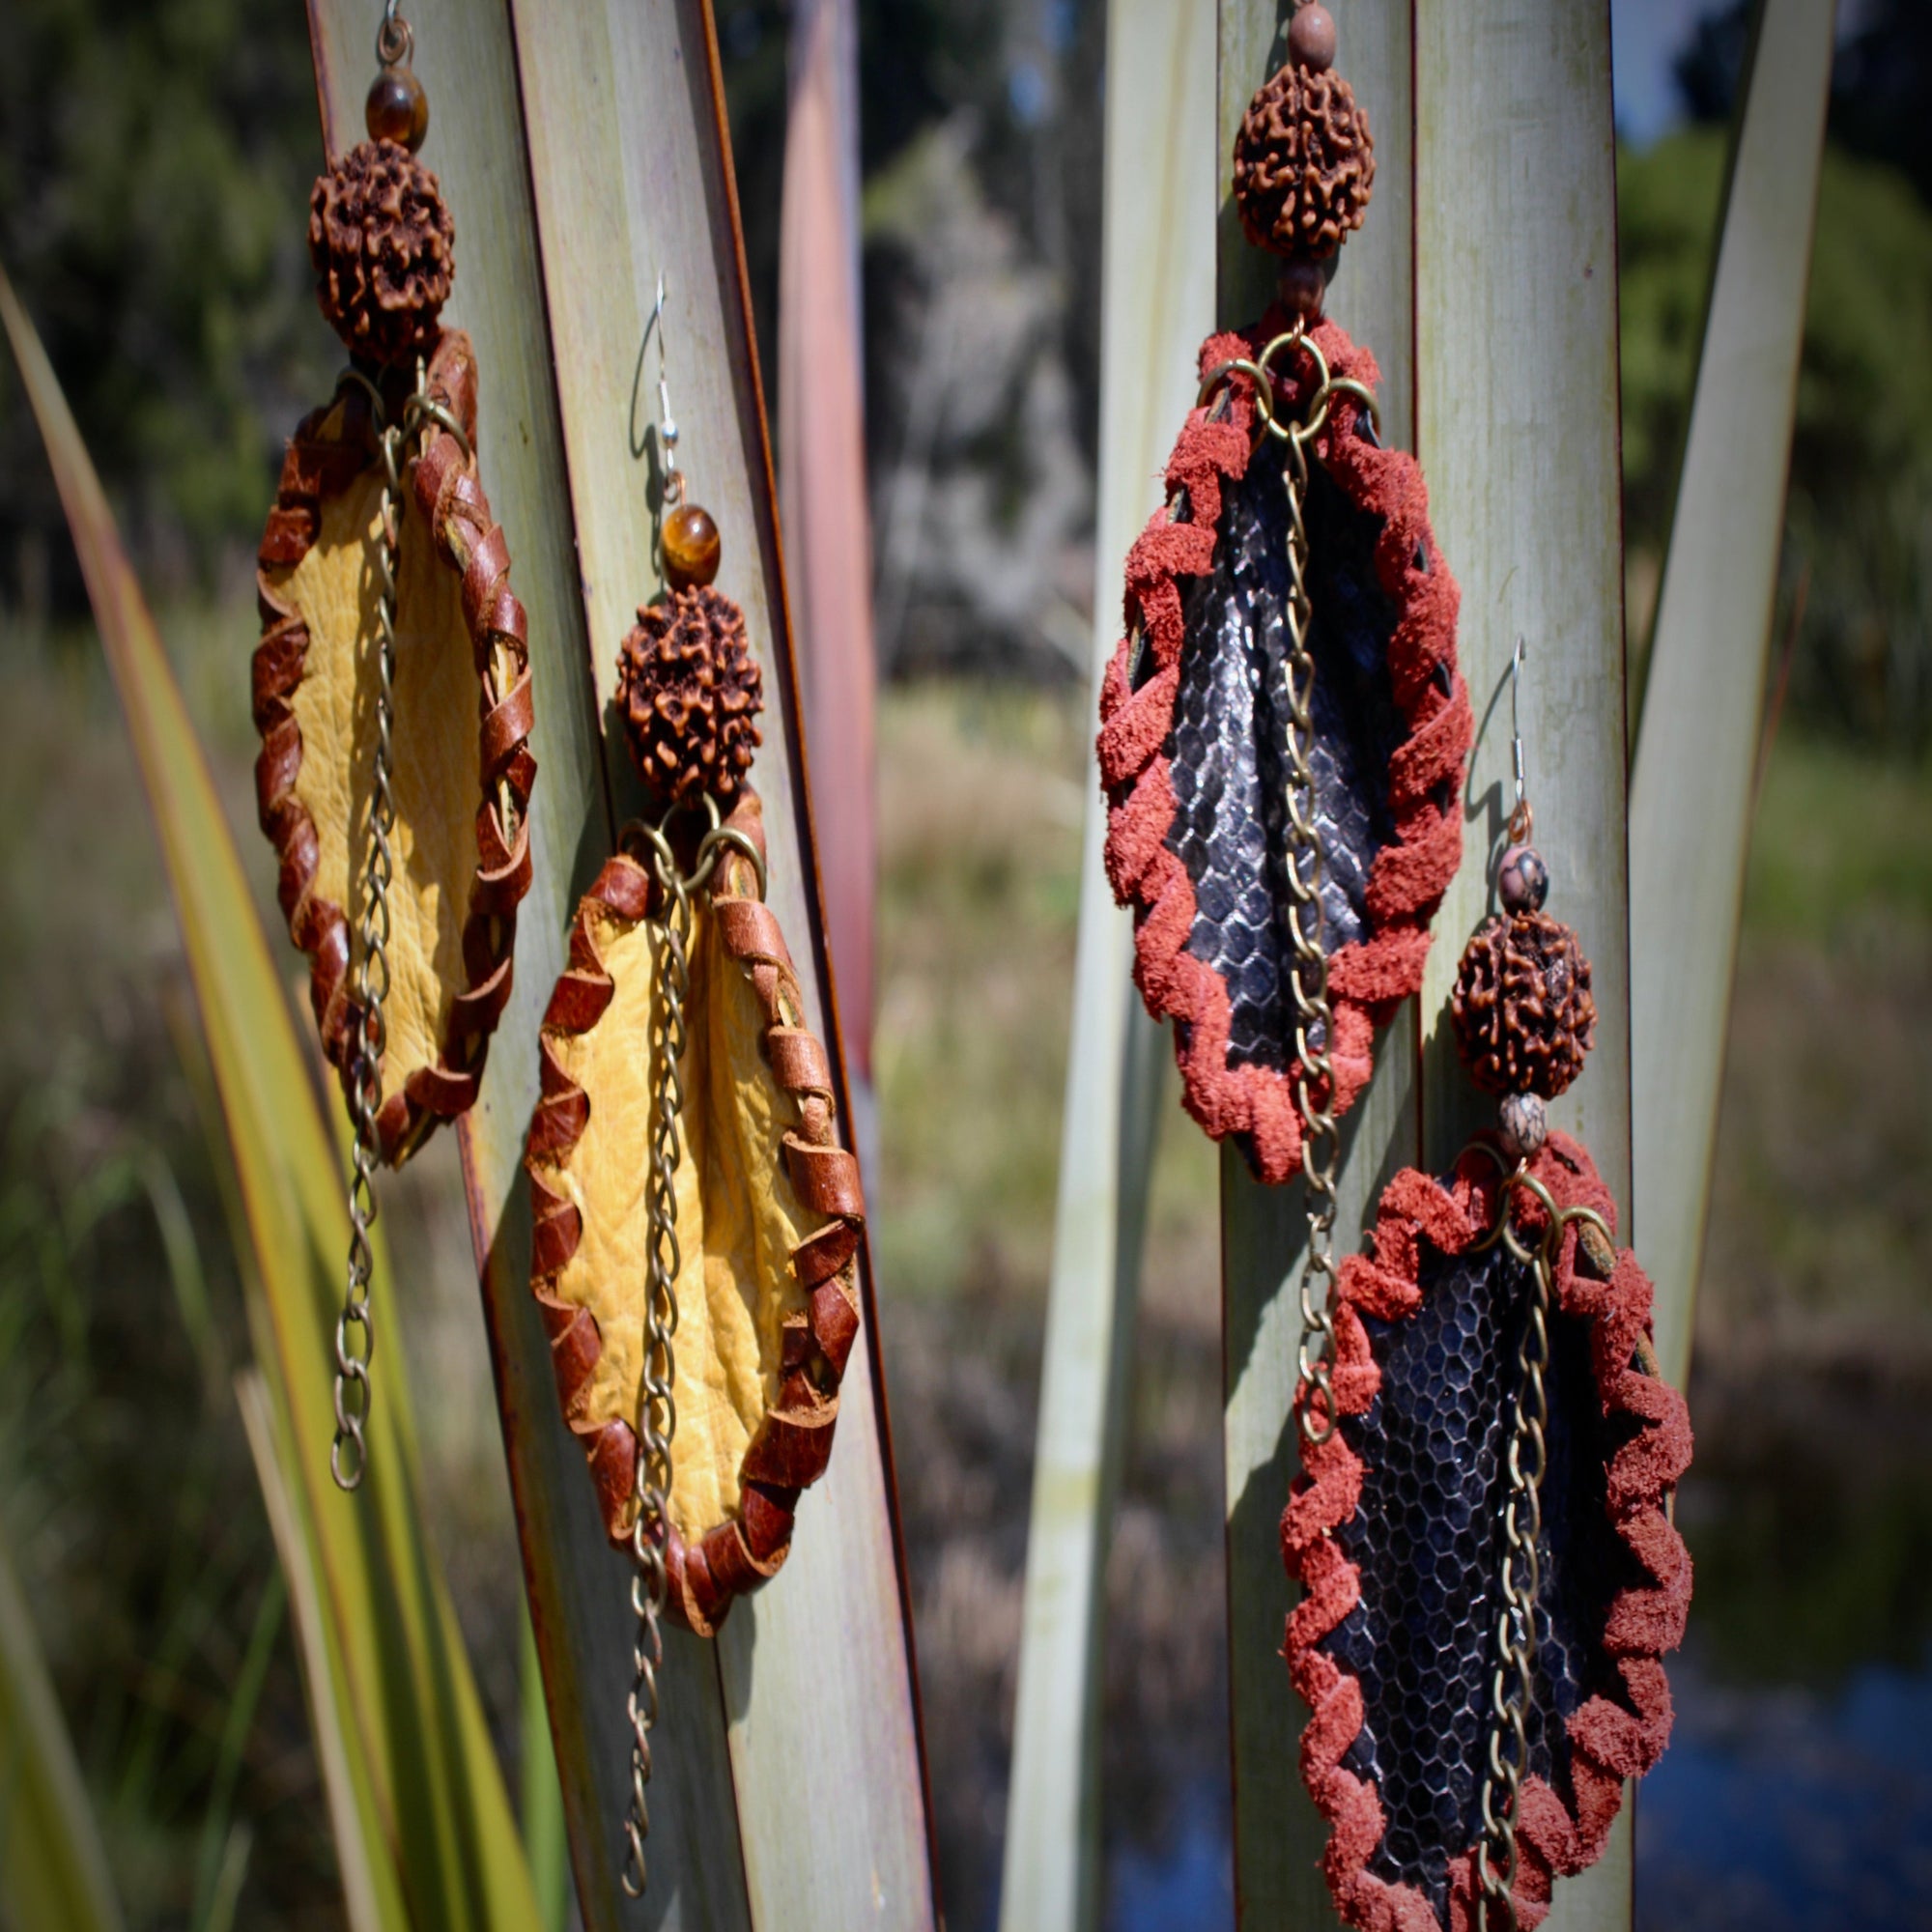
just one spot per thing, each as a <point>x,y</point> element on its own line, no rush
<point>1483,1523</point>
<point>1282,728</point>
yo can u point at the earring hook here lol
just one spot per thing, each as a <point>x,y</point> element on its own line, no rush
<point>666,425</point>
<point>1519,817</point>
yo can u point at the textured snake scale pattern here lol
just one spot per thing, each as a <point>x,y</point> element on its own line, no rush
<point>1193,740</point>
<point>1229,740</point>
<point>1427,1542</point>
<point>1393,1529</point>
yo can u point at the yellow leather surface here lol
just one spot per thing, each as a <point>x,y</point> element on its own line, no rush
<point>438,762</point>
<point>738,1218</point>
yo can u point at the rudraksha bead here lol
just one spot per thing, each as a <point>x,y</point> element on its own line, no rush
<point>691,692</point>
<point>1304,163</point>
<point>1522,1009</point>
<point>383,247</point>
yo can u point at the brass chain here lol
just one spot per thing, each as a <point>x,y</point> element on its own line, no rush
<point>1496,1853</point>
<point>353,1389</point>
<point>1314,1016</point>
<point>354,1327</point>
<point>1314,1019</point>
<point>1511,1685</point>
<point>657,1400</point>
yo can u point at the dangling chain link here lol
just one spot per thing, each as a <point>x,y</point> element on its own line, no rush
<point>1511,1687</point>
<point>353,1391</point>
<point>1314,1016</point>
<point>657,1400</point>
<point>354,1327</point>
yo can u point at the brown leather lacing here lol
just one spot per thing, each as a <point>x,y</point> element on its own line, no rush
<point>468,539</point>
<point>791,1446</point>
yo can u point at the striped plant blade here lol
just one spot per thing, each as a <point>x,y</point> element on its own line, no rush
<point>465,58</point>
<point>822,493</point>
<point>53,1867</point>
<point>1157,304</point>
<point>1516,307</point>
<point>371,1896</point>
<point>404,1683</point>
<point>1692,784</point>
<point>599,126</point>
<point>1278,1833</point>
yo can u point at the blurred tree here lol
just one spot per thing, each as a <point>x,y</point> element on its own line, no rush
<point>1880,86</point>
<point>1860,515</point>
<point>154,163</point>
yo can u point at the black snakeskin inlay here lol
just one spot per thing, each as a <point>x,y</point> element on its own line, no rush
<point>1229,743</point>
<point>1428,1540</point>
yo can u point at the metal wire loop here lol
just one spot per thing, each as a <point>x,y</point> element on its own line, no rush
<point>395,43</point>
<point>656,1413</point>
<point>1270,420</point>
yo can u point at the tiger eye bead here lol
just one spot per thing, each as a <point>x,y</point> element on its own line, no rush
<point>397,108</point>
<point>692,546</point>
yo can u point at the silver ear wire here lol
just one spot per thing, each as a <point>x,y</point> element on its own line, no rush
<point>673,483</point>
<point>1516,726</point>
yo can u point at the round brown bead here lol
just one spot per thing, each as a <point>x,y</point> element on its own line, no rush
<point>1303,287</point>
<point>1523,879</point>
<point>691,692</point>
<point>691,546</point>
<point>1304,164</point>
<point>384,252</point>
<point>1311,37</point>
<point>1522,1009</point>
<point>1526,1124</point>
<point>397,108</point>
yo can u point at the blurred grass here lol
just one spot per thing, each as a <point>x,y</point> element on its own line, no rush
<point>1842,847</point>
<point>126,1486</point>
<point>980,796</point>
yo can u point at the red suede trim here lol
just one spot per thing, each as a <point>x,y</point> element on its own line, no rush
<point>1610,1741</point>
<point>1410,875</point>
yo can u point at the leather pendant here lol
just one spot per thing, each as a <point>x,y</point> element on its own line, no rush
<point>1483,1521</point>
<point>1395,1531</point>
<point>768,1223</point>
<point>685,1145</point>
<point>1293,570</point>
<point>444,788</point>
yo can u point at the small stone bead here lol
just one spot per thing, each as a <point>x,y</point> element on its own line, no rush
<point>1523,880</point>
<point>692,546</point>
<point>1311,37</point>
<point>1303,287</point>
<point>397,108</point>
<point>1525,1123</point>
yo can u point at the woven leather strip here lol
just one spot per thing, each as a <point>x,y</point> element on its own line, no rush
<point>450,497</point>
<point>1611,1739</point>
<point>1366,980</point>
<point>789,1450</point>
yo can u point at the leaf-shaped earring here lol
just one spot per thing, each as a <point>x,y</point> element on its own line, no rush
<point>1483,1526</point>
<point>392,688</point>
<point>696,1224</point>
<point>1282,728</point>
